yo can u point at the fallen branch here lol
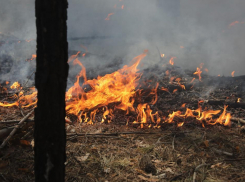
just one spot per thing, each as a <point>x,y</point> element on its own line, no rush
<point>238,120</point>
<point>15,129</point>
<point>15,121</point>
<point>222,152</point>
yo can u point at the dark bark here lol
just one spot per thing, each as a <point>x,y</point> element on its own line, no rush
<point>50,80</point>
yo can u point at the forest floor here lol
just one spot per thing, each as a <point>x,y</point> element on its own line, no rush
<point>123,151</point>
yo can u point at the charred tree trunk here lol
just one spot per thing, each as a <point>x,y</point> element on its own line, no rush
<point>50,79</point>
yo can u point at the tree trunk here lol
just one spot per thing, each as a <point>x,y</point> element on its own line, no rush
<point>50,80</point>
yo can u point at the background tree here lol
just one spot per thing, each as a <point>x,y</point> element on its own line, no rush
<point>50,80</point>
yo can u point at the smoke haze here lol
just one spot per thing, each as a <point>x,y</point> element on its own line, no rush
<point>195,31</point>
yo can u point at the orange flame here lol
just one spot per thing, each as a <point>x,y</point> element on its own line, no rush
<point>232,73</point>
<point>171,61</point>
<point>108,16</point>
<point>233,23</point>
<point>118,87</point>
<point>15,85</point>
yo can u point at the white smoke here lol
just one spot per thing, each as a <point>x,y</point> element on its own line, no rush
<point>200,26</point>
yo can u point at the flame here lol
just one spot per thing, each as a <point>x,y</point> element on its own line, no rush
<point>178,80</point>
<point>162,55</point>
<point>29,40</point>
<point>198,72</point>
<point>175,90</point>
<point>33,56</point>
<point>15,85</point>
<point>232,73</point>
<point>118,87</point>
<point>72,57</point>
<point>117,90</point>
<point>233,23</point>
<point>202,116</point>
<point>171,61</point>
<point>24,100</point>
<point>7,82</point>
<point>122,7</point>
<point>206,70</point>
<point>108,16</point>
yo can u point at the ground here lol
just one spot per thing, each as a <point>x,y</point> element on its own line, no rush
<point>123,151</point>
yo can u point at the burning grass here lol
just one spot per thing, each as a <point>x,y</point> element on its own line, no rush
<point>163,127</point>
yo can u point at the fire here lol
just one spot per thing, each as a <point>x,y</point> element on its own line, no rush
<point>122,7</point>
<point>33,56</point>
<point>232,73</point>
<point>108,16</point>
<point>233,23</point>
<point>118,87</point>
<point>162,55</point>
<point>171,61</point>
<point>15,85</point>
<point>199,72</point>
<point>7,82</point>
<point>118,90</point>
<point>24,100</point>
<point>205,117</point>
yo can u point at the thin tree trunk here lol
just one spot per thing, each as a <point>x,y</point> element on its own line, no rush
<point>50,79</point>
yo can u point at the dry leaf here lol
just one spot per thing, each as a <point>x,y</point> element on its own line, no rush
<point>23,169</point>
<point>147,179</point>
<point>216,165</point>
<point>169,170</point>
<point>206,142</point>
<point>32,143</point>
<point>25,142</point>
<point>83,158</point>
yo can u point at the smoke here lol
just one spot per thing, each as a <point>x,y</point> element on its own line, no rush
<point>194,31</point>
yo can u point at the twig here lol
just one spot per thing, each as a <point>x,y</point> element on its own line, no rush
<point>173,142</point>
<point>222,152</point>
<point>195,172</point>
<point>238,120</point>
<point>15,129</point>
<point>241,159</point>
<point>15,121</point>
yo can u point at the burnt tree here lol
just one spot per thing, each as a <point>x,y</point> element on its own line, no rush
<point>50,80</point>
